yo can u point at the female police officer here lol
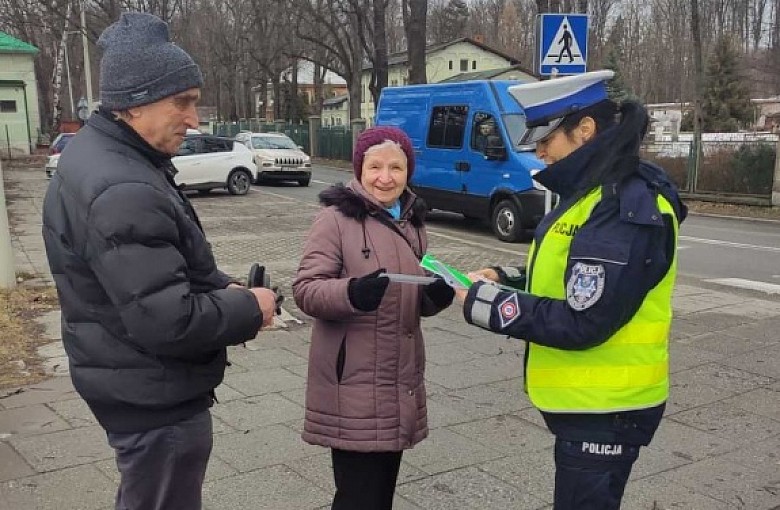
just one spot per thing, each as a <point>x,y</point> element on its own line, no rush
<point>594,300</point>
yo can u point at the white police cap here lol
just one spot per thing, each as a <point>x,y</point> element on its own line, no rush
<point>546,103</point>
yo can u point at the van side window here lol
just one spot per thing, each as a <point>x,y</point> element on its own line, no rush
<point>484,133</point>
<point>447,126</point>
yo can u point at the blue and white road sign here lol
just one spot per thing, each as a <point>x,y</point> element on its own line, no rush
<point>563,44</point>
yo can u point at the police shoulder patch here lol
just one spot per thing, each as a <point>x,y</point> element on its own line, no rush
<point>585,285</point>
<point>508,310</point>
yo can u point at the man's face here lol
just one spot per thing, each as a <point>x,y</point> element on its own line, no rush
<point>164,123</point>
<point>486,129</point>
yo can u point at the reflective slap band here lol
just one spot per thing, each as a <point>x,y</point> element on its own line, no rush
<point>487,292</point>
<point>480,314</point>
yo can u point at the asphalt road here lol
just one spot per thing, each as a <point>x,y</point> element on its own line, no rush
<point>736,252</point>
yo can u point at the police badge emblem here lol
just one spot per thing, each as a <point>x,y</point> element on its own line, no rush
<point>508,310</point>
<point>585,285</point>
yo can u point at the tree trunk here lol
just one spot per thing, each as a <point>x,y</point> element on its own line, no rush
<point>293,106</point>
<point>56,102</point>
<point>355,83</point>
<point>379,78</point>
<point>316,107</point>
<point>414,22</point>
<point>277,88</point>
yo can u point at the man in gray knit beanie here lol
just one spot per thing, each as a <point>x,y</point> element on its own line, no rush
<point>146,313</point>
<point>141,65</point>
<point>148,81</point>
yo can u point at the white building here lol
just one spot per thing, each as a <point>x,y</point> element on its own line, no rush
<point>20,121</point>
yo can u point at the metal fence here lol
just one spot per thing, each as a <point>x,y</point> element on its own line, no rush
<point>299,133</point>
<point>726,167</point>
<point>335,143</point>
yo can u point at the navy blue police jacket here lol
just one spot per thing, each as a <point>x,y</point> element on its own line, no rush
<point>629,228</point>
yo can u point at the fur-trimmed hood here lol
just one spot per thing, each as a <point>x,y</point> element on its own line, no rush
<point>353,201</point>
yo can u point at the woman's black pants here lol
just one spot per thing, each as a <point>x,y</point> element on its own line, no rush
<point>364,481</point>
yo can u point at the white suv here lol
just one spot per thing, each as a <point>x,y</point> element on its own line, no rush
<point>205,162</point>
<point>277,157</point>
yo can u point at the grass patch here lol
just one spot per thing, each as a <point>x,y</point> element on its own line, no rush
<point>21,335</point>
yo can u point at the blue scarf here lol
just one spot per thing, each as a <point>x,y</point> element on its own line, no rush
<point>395,210</point>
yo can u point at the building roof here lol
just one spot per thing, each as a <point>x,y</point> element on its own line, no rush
<point>335,101</point>
<point>9,44</point>
<point>402,57</point>
<point>504,73</point>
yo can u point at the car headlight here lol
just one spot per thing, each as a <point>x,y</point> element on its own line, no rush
<point>264,162</point>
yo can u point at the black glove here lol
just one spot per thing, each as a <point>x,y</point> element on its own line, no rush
<point>365,293</point>
<point>440,293</point>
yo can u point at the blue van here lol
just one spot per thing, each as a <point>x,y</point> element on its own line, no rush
<point>467,159</point>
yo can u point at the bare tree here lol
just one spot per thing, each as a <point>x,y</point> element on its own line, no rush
<point>415,14</point>
<point>379,39</point>
<point>338,28</point>
<point>243,46</point>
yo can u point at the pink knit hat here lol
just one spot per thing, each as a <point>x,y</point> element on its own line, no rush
<point>375,136</point>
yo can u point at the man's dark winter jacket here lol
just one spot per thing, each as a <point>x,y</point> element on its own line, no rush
<point>146,316</point>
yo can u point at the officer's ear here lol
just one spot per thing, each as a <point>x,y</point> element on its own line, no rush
<point>586,129</point>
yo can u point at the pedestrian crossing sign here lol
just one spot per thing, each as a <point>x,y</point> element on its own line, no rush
<point>563,44</point>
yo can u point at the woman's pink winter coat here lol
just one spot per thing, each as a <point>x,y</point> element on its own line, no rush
<point>365,389</point>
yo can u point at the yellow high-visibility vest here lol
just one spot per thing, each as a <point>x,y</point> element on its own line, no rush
<point>628,371</point>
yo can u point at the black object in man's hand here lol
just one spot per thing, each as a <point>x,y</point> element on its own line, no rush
<point>365,293</point>
<point>259,278</point>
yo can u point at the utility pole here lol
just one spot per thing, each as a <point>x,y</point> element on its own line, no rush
<point>698,94</point>
<point>7,271</point>
<point>85,44</point>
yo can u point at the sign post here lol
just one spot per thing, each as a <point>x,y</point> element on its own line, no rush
<point>563,44</point>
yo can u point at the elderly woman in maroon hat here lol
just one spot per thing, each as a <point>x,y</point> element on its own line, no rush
<point>365,394</point>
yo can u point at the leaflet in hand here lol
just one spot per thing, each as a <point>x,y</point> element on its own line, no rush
<point>452,276</point>
<point>408,278</point>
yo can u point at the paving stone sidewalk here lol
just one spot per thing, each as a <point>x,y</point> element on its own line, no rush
<point>717,448</point>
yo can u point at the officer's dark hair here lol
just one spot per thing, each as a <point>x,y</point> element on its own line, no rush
<point>604,113</point>
<point>621,157</point>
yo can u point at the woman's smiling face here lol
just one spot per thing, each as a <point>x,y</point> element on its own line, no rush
<point>384,172</point>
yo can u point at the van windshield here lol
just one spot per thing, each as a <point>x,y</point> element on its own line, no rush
<point>515,127</point>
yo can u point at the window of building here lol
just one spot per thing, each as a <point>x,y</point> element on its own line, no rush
<point>8,106</point>
<point>464,64</point>
<point>447,126</point>
<point>393,83</point>
<point>473,64</point>
<point>450,65</point>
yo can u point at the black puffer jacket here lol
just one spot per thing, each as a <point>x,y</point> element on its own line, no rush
<point>145,312</point>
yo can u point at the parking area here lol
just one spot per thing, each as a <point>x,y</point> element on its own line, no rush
<point>718,447</point>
